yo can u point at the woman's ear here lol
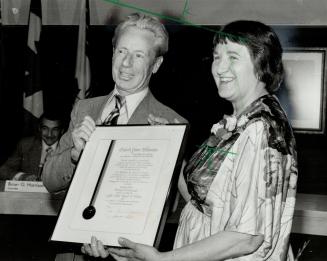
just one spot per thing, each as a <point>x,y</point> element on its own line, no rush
<point>257,75</point>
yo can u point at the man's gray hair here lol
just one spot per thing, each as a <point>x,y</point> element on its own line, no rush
<point>145,22</point>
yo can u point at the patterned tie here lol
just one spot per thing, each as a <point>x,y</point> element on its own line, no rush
<point>47,154</point>
<point>113,116</point>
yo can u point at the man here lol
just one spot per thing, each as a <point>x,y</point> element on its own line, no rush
<point>139,44</point>
<point>27,161</point>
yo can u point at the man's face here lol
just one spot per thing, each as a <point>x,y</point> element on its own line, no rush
<point>50,131</point>
<point>134,60</point>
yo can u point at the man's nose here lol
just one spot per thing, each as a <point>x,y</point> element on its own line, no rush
<point>49,134</point>
<point>128,60</point>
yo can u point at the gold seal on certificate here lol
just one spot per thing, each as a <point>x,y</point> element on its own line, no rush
<point>122,185</point>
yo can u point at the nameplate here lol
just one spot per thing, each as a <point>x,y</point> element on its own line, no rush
<point>25,186</point>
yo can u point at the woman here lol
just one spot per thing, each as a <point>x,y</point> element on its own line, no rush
<point>241,184</point>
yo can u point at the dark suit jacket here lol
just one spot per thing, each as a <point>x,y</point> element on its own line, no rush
<point>26,158</point>
<point>59,168</point>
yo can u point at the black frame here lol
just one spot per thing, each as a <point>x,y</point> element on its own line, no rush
<point>323,82</point>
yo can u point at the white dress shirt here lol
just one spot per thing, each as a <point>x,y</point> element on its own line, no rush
<point>45,148</point>
<point>126,111</point>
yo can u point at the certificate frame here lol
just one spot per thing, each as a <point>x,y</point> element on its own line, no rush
<point>304,92</point>
<point>128,174</point>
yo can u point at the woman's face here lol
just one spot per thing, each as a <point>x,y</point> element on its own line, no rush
<point>234,74</point>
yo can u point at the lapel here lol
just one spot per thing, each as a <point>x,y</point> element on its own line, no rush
<point>97,108</point>
<point>34,154</point>
<point>139,116</point>
<point>141,113</point>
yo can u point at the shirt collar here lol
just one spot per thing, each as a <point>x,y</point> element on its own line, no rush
<point>132,100</point>
<point>45,146</point>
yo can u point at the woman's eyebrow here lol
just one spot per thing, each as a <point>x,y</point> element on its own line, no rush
<point>233,52</point>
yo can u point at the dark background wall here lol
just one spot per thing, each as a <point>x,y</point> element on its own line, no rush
<point>184,83</point>
<point>312,149</point>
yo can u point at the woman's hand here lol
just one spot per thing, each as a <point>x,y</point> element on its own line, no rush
<point>95,249</point>
<point>134,252</point>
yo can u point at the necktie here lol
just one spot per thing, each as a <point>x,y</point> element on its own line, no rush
<point>113,116</point>
<point>47,153</point>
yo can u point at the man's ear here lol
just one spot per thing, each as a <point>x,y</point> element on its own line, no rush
<point>157,64</point>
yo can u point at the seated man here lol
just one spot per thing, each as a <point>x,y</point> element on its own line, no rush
<point>26,163</point>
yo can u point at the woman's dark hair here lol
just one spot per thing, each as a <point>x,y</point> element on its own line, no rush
<point>263,45</point>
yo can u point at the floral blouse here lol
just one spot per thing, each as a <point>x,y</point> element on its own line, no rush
<point>243,179</point>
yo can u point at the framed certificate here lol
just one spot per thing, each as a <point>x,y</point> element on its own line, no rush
<point>123,185</point>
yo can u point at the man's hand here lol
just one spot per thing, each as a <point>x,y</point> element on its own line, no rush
<point>95,249</point>
<point>25,176</point>
<point>28,177</point>
<point>80,135</point>
<point>153,120</point>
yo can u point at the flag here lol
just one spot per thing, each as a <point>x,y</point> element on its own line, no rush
<point>33,94</point>
<point>83,70</point>
<point>2,54</point>
<point>2,57</point>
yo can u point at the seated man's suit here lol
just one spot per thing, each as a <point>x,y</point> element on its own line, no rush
<point>26,158</point>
